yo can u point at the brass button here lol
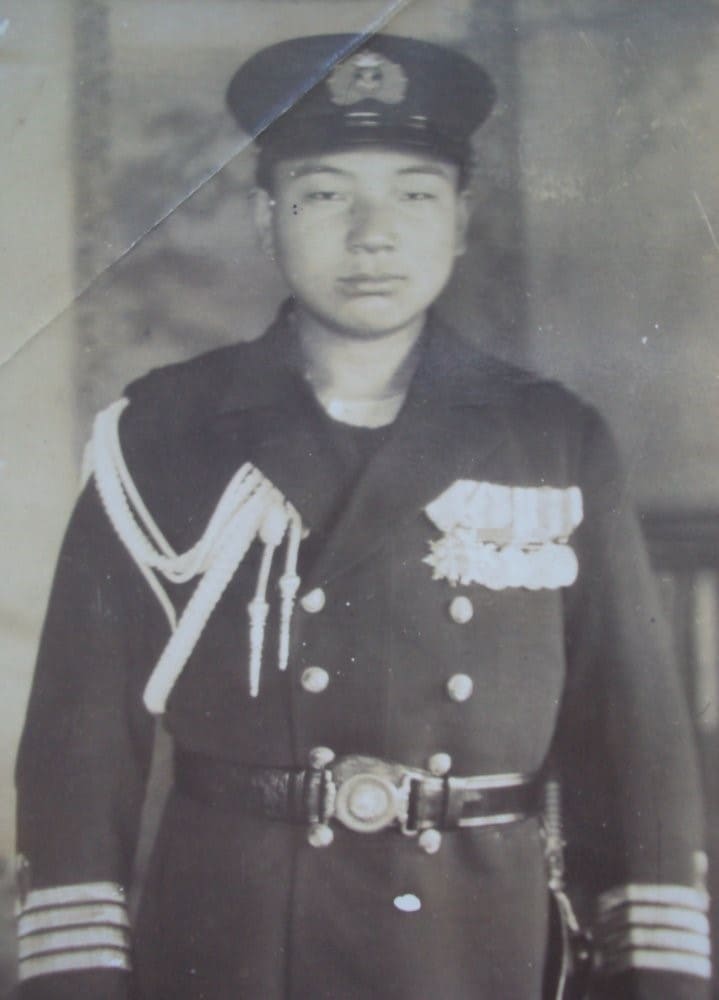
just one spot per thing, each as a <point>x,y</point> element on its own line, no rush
<point>461,610</point>
<point>314,600</point>
<point>460,687</point>
<point>430,841</point>
<point>439,764</point>
<point>408,902</point>
<point>320,835</point>
<point>321,757</point>
<point>314,679</point>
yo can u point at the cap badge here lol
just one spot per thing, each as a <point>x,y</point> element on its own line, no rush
<point>367,76</point>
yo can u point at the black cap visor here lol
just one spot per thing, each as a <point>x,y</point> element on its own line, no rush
<point>358,130</point>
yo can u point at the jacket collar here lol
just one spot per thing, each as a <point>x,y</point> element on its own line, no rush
<point>451,372</point>
<point>433,442</point>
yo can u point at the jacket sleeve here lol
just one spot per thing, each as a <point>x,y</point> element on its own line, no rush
<point>626,752</point>
<point>82,767</point>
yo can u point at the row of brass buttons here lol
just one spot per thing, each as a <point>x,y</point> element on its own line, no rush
<point>461,609</point>
<point>315,680</point>
<point>459,687</point>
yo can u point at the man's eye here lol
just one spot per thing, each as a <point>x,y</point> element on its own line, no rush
<point>324,196</point>
<point>419,196</point>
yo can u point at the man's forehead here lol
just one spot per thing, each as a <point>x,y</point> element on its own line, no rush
<point>363,162</point>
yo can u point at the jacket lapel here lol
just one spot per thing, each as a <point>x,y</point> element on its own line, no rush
<point>450,426</point>
<point>453,421</point>
<point>265,415</point>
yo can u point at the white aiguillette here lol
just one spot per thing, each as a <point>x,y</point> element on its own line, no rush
<point>503,536</point>
<point>250,510</point>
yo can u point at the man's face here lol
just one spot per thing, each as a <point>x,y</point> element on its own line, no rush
<point>365,238</point>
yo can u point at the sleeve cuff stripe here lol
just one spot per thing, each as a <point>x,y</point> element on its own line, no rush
<point>653,916</point>
<point>71,895</point>
<point>669,940</point>
<point>80,938</point>
<point>73,916</point>
<point>657,961</point>
<point>89,958</point>
<point>666,895</point>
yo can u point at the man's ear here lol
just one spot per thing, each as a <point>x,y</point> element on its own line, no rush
<point>465,206</point>
<point>263,205</point>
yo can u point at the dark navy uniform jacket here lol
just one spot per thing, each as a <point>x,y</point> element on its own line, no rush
<point>242,906</point>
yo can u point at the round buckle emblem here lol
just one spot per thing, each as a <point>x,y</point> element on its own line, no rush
<point>366,803</point>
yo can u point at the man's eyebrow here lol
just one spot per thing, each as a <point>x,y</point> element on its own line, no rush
<point>304,169</point>
<point>435,170</point>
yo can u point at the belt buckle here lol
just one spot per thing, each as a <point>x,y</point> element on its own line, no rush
<point>371,794</point>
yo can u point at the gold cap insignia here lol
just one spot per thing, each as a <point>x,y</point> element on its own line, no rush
<point>367,76</point>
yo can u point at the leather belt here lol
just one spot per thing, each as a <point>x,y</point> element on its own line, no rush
<point>364,794</point>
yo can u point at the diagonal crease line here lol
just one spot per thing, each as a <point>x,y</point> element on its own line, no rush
<point>380,22</point>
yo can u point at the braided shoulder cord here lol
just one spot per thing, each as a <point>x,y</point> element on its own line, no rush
<point>250,508</point>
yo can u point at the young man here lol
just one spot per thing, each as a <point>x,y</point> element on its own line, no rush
<point>382,588</point>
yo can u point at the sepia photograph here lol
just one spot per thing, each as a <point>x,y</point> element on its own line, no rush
<point>359,467</point>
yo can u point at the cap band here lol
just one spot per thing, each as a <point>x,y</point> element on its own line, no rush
<point>363,128</point>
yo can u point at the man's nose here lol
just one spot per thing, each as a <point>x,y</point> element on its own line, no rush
<point>371,227</point>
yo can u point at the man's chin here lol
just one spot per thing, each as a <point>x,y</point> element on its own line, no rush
<point>369,324</point>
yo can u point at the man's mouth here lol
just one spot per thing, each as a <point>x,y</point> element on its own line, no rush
<point>370,284</point>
